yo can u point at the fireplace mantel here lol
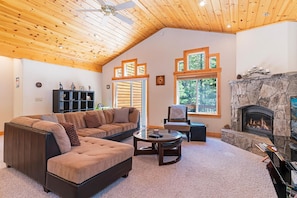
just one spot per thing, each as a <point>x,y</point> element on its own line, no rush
<point>272,92</point>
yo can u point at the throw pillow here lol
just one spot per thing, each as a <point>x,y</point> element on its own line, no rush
<point>51,118</point>
<point>131,109</point>
<point>71,132</point>
<point>92,121</point>
<point>121,115</point>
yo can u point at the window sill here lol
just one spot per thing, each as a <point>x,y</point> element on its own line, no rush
<point>191,114</point>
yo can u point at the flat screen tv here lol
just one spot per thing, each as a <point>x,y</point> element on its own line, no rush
<point>293,106</point>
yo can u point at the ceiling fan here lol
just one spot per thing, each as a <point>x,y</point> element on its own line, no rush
<point>107,9</point>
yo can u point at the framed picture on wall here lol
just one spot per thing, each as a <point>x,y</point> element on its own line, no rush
<point>160,80</point>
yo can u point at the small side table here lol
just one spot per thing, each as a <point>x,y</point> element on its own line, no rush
<point>198,131</point>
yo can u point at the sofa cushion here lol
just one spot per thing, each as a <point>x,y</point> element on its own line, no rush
<point>92,120</point>
<point>131,109</point>
<point>60,117</point>
<point>111,129</point>
<point>91,158</point>
<point>71,132</point>
<point>26,121</point>
<point>134,116</point>
<point>121,115</point>
<point>50,117</point>
<point>100,115</point>
<point>58,131</point>
<point>77,118</point>
<point>91,132</point>
<point>108,113</point>
<point>126,126</point>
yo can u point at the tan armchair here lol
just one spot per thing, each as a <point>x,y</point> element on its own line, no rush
<point>178,120</point>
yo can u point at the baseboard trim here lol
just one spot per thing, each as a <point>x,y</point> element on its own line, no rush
<point>1,132</point>
<point>213,134</point>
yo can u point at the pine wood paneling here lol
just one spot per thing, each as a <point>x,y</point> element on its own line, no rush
<point>36,29</point>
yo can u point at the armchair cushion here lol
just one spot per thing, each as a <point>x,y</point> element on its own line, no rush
<point>178,126</point>
<point>178,113</point>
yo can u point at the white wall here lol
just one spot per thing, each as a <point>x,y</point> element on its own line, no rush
<point>292,51</point>
<point>17,89</point>
<point>25,100</point>
<point>6,90</point>
<point>272,47</point>
<point>39,100</point>
<point>159,52</point>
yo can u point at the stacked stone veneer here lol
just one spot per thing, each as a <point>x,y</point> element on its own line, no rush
<point>272,92</point>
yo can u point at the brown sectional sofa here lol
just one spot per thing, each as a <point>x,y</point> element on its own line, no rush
<point>42,150</point>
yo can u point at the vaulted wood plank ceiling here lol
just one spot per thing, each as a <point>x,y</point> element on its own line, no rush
<point>57,31</point>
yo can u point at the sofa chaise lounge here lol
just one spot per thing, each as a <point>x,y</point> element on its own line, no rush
<point>42,150</point>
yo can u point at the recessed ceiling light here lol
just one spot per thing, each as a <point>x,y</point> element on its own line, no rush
<point>61,46</point>
<point>228,26</point>
<point>202,3</point>
<point>266,14</point>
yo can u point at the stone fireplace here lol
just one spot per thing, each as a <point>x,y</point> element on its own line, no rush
<point>260,106</point>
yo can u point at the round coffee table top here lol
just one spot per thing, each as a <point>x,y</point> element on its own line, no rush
<point>144,135</point>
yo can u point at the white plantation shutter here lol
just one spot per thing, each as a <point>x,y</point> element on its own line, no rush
<point>123,94</point>
<point>136,94</point>
<point>131,94</point>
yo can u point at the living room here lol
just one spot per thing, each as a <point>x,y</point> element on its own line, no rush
<point>272,47</point>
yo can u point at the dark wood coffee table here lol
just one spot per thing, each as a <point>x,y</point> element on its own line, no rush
<point>167,145</point>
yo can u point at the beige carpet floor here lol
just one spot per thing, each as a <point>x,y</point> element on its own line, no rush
<point>207,169</point>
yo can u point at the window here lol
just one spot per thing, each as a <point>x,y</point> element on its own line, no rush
<point>130,69</point>
<point>199,94</point>
<point>130,87</point>
<point>179,64</point>
<point>197,82</point>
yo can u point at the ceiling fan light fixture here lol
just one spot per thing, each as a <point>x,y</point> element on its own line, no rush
<point>107,9</point>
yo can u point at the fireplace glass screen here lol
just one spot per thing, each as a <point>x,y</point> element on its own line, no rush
<point>257,120</point>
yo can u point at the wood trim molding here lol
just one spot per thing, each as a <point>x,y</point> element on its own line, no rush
<point>1,132</point>
<point>213,134</point>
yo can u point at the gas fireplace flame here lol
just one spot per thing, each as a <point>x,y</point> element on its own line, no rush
<point>258,124</point>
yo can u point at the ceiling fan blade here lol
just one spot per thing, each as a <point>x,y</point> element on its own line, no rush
<point>101,2</point>
<point>123,18</point>
<point>126,5</point>
<point>104,20</point>
<point>90,10</point>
